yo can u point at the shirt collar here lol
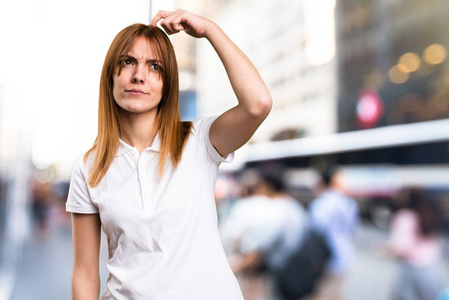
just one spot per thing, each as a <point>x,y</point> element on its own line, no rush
<point>124,147</point>
<point>156,145</point>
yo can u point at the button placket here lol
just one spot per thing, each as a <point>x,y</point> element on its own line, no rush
<point>152,184</point>
<point>147,178</point>
<point>142,178</point>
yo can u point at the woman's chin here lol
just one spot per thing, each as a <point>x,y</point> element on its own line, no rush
<point>137,110</point>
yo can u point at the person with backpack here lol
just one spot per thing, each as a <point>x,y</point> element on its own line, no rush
<point>274,227</point>
<point>334,215</point>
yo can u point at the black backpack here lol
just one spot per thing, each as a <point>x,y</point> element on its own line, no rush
<point>302,270</point>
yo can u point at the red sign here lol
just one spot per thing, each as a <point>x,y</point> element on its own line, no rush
<point>369,108</point>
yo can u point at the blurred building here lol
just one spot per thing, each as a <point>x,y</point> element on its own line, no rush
<point>392,52</point>
<point>390,66</point>
<point>339,67</point>
<point>292,45</point>
<point>186,55</point>
<point>393,70</point>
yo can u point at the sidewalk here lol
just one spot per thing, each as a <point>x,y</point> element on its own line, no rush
<point>46,268</point>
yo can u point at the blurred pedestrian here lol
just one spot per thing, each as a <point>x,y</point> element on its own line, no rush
<point>272,226</point>
<point>248,211</point>
<point>416,240</point>
<point>242,225</point>
<point>60,192</point>
<point>149,178</point>
<point>40,206</point>
<point>335,215</point>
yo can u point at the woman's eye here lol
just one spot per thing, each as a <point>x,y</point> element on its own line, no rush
<point>127,62</point>
<point>155,67</point>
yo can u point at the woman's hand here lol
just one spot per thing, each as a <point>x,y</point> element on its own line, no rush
<point>175,21</point>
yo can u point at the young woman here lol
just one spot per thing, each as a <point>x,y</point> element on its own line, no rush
<point>416,240</point>
<point>149,178</point>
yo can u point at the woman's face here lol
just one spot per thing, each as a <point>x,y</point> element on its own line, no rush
<point>138,88</point>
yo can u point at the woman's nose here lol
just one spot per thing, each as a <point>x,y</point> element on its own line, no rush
<point>139,76</point>
<point>138,79</point>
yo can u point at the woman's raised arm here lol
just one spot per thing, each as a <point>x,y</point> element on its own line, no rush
<point>234,127</point>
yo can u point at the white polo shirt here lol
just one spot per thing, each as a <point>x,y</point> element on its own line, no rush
<point>162,233</point>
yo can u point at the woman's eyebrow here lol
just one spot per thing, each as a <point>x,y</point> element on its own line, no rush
<point>127,56</point>
<point>153,60</point>
<point>148,61</point>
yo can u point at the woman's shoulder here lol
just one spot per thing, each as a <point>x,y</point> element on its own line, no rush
<point>199,130</point>
<point>203,123</point>
<point>200,137</point>
<point>84,162</point>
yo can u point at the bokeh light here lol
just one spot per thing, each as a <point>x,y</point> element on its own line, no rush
<point>398,74</point>
<point>435,54</point>
<point>409,62</point>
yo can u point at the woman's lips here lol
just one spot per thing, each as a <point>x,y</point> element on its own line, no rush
<point>135,92</point>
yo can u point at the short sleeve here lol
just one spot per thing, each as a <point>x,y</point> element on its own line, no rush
<point>79,200</point>
<point>201,129</point>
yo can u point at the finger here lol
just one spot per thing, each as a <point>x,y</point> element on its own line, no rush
<point>162,14</point>
<point>172,24</point>
<point>178,18</point>
<point>176,26</point>
<point>169,28</point>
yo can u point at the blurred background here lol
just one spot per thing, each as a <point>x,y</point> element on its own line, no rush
<point>362,84</point>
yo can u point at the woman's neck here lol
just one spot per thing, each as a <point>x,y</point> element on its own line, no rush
<point>138,130</point>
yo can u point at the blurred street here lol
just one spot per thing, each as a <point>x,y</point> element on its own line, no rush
<point>361,87</point>
<point>46,267</point>
<point>45,270</point>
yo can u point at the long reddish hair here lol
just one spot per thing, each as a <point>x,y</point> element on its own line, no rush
<point>172,132</point>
